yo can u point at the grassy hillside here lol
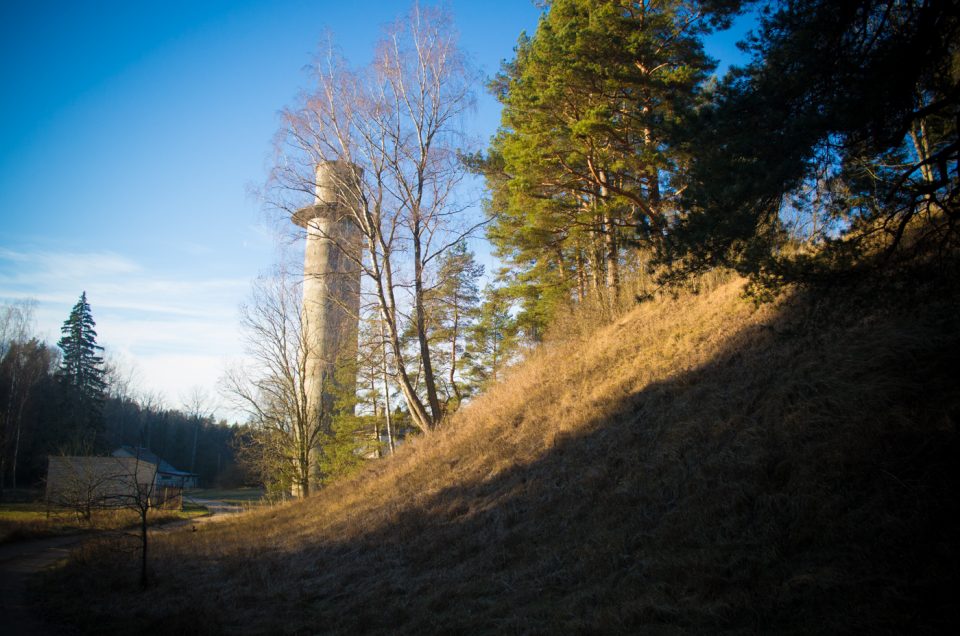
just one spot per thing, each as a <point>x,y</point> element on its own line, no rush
<point>699,466</point>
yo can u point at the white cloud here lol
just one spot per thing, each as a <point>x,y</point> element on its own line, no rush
<point>177,330</point>
<point>46,264</point>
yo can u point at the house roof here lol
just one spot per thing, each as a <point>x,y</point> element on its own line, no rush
<point>164,467</point>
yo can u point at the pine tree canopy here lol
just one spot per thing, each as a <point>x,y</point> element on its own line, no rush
<point>82,366</point>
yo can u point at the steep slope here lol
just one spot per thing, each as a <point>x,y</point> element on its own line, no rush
<point>701,465</point>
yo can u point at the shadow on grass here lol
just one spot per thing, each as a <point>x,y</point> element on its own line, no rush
<point>802,481</point>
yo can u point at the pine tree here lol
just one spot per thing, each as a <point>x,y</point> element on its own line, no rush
<point>492,339</point>
<point>81,373</point>
<point>453,304</point>
<point>588,163</point>
<point>857,103</point>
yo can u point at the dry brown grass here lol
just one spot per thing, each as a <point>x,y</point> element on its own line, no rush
<point>698,466</point>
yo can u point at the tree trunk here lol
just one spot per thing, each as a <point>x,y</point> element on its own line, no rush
<point>921,145</point>
<point>453,349</point>
<point>386,388</point>
<point>7,420</point>
<point>16,445</point>
<point>581,276</point>
<point>612,257</point>
<point>418,413</point>
<point>382,276</point>
<point>597,261</point>
<point>421,325</point>
<point>193,454</point>
<point>611,250</point>
<point>144,510</point>
<point>376,413</point>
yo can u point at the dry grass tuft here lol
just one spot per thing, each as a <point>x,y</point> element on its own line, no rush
<point>699,465</point>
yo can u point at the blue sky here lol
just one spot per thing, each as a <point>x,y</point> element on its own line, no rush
<point>131,137</point>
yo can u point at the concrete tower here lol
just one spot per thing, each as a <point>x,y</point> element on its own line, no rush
<point>331,286</point>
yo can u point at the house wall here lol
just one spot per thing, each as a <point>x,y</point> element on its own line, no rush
<point>97,481</point>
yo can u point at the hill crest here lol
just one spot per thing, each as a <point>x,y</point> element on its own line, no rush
<point>699,465</point>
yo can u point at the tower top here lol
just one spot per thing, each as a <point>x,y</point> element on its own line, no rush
<point>337,186</point>
<point>337,181</point>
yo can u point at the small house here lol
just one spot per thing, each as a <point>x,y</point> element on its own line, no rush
<point>167,475</point>
<point>97,482</point>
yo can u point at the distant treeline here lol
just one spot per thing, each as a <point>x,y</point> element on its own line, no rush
<point>41,415</point>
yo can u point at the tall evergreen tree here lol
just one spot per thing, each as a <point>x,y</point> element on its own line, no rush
<point>453,305</point>
<point>492,339</point>
<point>588,161</point>
<point>857,102</point>
<point>81,373</point>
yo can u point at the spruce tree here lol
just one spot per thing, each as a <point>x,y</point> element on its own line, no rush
<point>81,373</point>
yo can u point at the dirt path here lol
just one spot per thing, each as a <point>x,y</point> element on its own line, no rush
<point>218,509</point>
<point>21,562</point>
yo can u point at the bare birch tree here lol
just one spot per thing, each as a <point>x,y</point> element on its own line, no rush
<point>400,121</point>
<point>272,388</point>
<point>84,484</point>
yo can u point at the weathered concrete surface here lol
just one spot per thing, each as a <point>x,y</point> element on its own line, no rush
<point>331,286</point>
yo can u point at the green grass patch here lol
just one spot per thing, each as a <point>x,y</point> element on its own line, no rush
<point>19,521</point>
<point>235,496</point>
<point>32,520</point>
<point>191,510</point>
<point>23,511</point>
